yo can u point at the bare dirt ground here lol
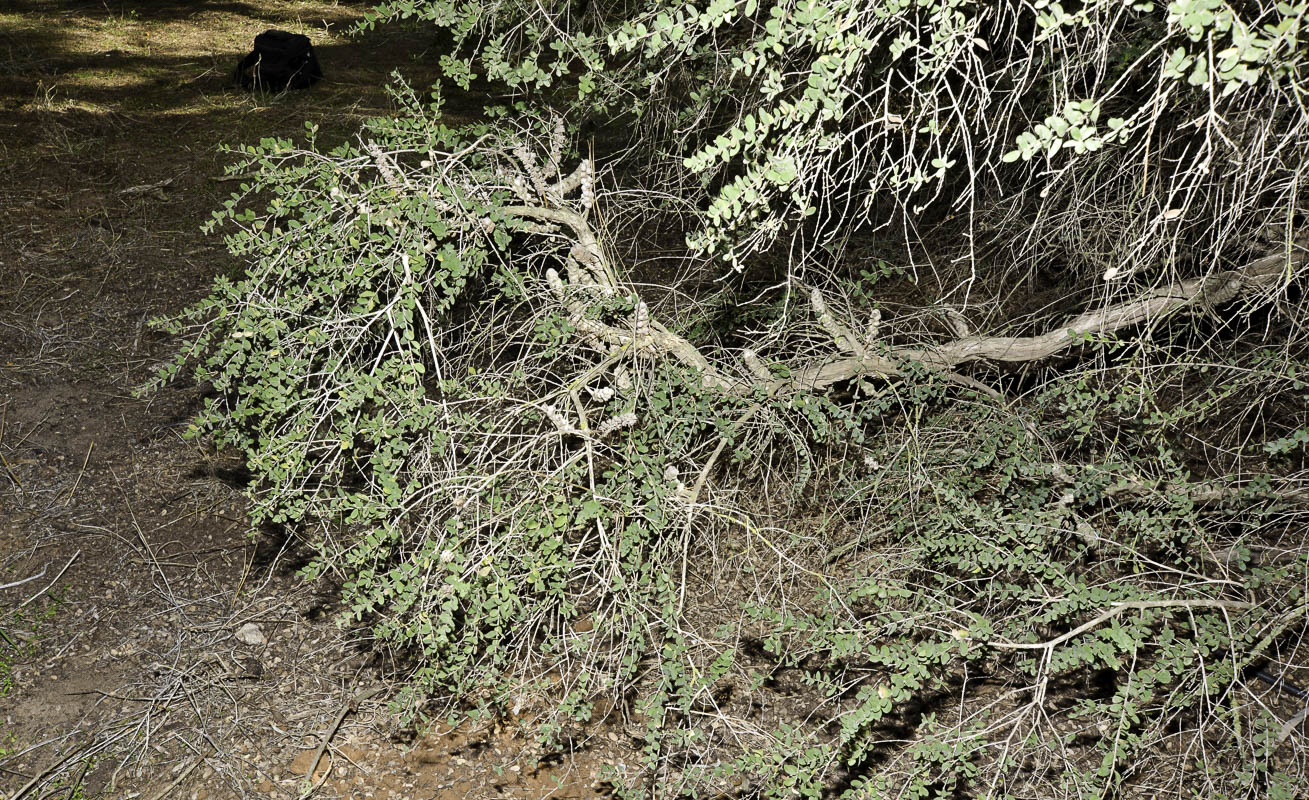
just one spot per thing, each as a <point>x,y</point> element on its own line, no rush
<point>148,647</point>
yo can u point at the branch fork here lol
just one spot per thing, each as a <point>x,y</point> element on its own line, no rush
<point>589,271</point>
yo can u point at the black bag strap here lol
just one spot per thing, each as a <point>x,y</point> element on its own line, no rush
<point>246,63</point>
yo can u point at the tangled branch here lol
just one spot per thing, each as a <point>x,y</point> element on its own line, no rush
<point>589,273</point>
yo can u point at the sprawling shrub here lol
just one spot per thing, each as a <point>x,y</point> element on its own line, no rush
<point>840,527</point>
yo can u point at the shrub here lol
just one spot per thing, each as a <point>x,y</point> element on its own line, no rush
<point>825,556</point>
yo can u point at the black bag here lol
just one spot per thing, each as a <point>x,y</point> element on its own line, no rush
<point>279,61</point>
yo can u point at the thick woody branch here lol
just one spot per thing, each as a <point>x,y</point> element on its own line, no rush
<point>1212,290</point>
<point>588,268</point>
<point>575,179</point>
<point>646,335</point>
<point>586,250</point>
<point>655,341</point>
<point>844,339</point>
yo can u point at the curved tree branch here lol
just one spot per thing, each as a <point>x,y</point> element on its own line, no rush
<point>589,270</point>
<point>1218,288</point>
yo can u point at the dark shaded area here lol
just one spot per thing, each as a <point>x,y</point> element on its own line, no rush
<point>33,62</point>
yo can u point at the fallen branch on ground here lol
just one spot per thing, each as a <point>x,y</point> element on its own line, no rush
<point>349,705</point>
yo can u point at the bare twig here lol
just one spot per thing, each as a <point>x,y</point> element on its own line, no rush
<point>37,576</point>
<point>80,473</point>
<point>10,472</point>
<point>136,524</point>
<point>52,582</point>
<point>167,790</point>
<point>1113,611</point>
<point>43,774</point>
<point>694,496</point>
<point>353,703</point>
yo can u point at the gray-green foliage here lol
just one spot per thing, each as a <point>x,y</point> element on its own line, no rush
<point>415,404</point>
<point>414,400</point>
<point>900,585</point>
<point>1176,120</point>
